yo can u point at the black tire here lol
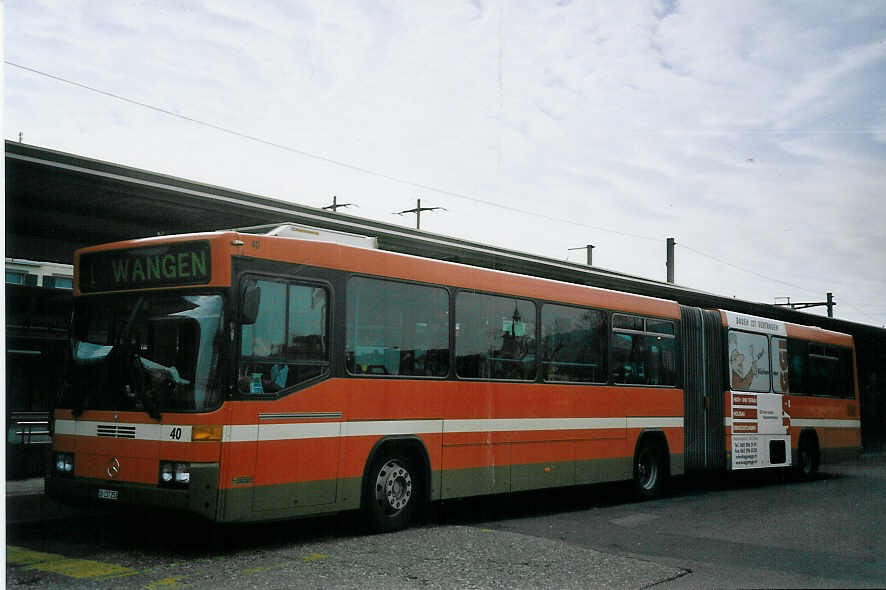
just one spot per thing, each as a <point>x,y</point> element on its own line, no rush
<point>807,459</point>
<point>392,492</point>
<point>650,471</point>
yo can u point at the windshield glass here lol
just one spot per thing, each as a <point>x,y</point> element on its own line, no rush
<point>153,352</point>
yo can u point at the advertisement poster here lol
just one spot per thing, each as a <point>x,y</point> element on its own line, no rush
<point>757,421</point>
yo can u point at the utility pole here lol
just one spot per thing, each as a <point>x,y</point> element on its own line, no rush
<point>590,249</point>
<point>829,303</point>
<point>670,260</point>
<point>418,209</point>
<point>335,204</point>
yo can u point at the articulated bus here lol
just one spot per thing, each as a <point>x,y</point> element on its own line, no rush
<point>248,377</point>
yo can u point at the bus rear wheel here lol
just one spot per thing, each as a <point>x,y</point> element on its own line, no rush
<point>807,459</point>
<point>392,493</point>
<point>650,471</point>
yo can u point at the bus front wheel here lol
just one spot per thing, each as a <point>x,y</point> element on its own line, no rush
<point>391,492</point>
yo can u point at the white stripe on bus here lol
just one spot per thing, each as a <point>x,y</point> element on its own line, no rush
<point>826,423</point>
<point>302,430</point>
<point>125,430</point>
<point>305,430</point>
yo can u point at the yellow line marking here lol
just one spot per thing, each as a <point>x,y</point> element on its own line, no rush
<point>314,557</point>
<point>263,568</point>
<point>22,556</point>
<point>66,566</point>
<point>173,582</point>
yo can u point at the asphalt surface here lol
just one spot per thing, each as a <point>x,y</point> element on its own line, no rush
<point>756,531</point>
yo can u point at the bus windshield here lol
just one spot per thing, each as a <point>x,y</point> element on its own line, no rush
<point>150,352</point>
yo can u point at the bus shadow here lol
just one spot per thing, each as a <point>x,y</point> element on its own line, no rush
<point>537,503</point>
<point>163,534</point>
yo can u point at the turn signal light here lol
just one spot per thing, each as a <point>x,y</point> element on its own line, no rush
<point>206,432</point>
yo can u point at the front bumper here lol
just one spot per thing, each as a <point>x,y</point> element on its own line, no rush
<point>200,497</point>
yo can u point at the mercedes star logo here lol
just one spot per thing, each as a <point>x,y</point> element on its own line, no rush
<point>113,468</point>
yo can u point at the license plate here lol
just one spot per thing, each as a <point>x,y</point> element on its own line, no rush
<point>108,494</point>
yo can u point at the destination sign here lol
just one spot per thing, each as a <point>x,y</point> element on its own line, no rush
<point>175,264</point>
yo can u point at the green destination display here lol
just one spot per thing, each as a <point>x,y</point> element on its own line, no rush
<point>179,263</point>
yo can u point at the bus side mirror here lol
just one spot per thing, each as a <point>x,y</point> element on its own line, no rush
<point>250,299</point>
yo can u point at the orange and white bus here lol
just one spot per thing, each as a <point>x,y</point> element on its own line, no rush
<point>249,377</point>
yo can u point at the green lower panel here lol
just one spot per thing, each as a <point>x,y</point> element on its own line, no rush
<point>501,479</point>
<point>235,505</point>
<point>542,475</point>
<point>436,486</point>
<point>203,492</point>
<point>294,495</point>
<point>603,470</point>
<point>285,500</point>
<point>478,481</point>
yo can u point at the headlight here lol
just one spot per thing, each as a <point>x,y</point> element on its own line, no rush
<point>64,463</point>
<point>175,473</point>
<point>166,470</point>
<point>182,473</point>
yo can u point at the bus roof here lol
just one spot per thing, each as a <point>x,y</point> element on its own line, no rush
<point>395,265</point>
<point>762,325</point>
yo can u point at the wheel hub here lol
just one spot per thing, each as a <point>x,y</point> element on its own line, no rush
<point>393,487</point>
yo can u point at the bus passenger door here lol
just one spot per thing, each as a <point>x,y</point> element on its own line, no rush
<point>285,346</point>
<point>297,462</point>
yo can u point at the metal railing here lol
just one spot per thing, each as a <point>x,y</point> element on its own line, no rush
<point>28,428</point>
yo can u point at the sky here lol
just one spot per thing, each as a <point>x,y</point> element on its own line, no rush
<point>754,133</point>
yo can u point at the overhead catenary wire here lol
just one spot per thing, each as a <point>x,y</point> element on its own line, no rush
<point>321,158</point>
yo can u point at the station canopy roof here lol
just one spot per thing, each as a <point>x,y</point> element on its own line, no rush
<point>57,202</point>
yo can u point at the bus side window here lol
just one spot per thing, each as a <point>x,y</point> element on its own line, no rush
<point>780,364</point>
<point>797,351</point>
<point>397,329</point>
<point>495,337</point>
<point>847,383</point>
<point>574,344</point>
<point>265,337</point>
<point>823,370</point>
<point>643,351</point>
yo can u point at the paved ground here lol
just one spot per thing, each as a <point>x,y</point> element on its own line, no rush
<point>751,531</point>
<point>323,555</point>
<point>754,531</point>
